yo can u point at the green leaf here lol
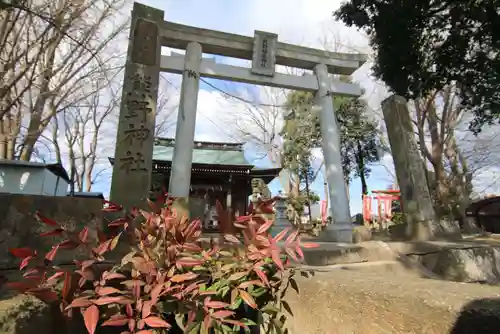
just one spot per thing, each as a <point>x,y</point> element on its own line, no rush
<point>294,285</point>
<point>179,319</point>
<point>271,309</point>
<point>223,292</point>
<point>287,307</point>
<point>194,328</point>
<point>259,292</point>
<point>236,304</point>
<point>248,322</point>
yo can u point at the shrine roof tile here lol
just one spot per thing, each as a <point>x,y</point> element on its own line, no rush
<point>205,156</point>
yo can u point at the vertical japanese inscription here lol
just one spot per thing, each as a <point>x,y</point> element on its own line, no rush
<point>131,179</point>
<point>137,130</point>
<point>264,53</point>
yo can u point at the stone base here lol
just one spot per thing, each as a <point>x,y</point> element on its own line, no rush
<point>361,233</point>
<point>422,231</point>
<point>337,233</point>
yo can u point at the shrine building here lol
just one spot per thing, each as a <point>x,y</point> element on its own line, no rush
<point>219,171</point>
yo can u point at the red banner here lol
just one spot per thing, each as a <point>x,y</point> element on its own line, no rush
<point>324,213</point>
<point>367,208</point>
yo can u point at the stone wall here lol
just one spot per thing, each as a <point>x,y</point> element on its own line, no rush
<point>19,228</point>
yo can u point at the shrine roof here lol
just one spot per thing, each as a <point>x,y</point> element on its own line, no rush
<point>210,153</point>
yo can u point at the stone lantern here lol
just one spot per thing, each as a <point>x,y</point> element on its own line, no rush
<point>281,220</point>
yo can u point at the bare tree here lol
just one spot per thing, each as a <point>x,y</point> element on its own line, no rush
<point>83,129</point>
<point>50,53</point>
<point>165,111</point>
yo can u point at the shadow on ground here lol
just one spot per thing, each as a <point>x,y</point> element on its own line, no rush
<point>479,316</point>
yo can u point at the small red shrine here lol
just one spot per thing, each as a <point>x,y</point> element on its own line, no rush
<point>384,200</point>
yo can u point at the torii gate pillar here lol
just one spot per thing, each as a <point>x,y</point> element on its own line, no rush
<point>341,229</point>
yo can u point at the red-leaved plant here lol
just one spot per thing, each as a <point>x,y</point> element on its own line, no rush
<point>171,278</point>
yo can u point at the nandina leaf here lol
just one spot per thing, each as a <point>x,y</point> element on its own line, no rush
<point>107,290</point>
<point>68,244</point>
<point>56,276</point>
<point>25,262</point>
<point>133,282</point>
<point>267,207</point>
<point>207,322</point>
<point>156,322</point>
<point>207,293</point>
<point>21,253</point>
<point>191,247</point>
<point>144,331</point>
<point>299,251</point>
<point>248,299</point>
<point>84,234</point>
<point>57,231</point>
<point>19,286</point>
<point>68,279</point>
<point>291,253</point>
<point>264,227</point>
<point>86,273</point>
<point>155,292</point>
<point>118,222</point>
<point>111,207</point>
<point>263,241</point>
<point>183,277</point>
<point>216,304</point>
<point>103,247</point>
<point>233,322</point>
<point>192,228</point>
<point>232,238</point>
<point>222,314</point>
<point>189,262</point>
<point>91,317</point>
<point>146,308</point>
<point>261,275</point>
<point>45,295</point>
<point>52,253</point>
<point>281,235</point>
<point>45,220</point>
<point>110,276</point>
<point>131,324</point>
<point>292,237</point>
<point>111,300</point>
<point>114,241</point>
<point>86,263</point>
<point>117,320</point>
<point>276,256</point>
<point>81,302</point>
<point>237,276</point>
<point>246,284</point>
<point>129,310</point>
<point>243,219</point>
<point>309,245</point>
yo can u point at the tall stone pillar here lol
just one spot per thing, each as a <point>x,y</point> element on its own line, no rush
<point>130,184</point>
<point>341,229</point>
<point>416,200</point>
<point>182,159</point>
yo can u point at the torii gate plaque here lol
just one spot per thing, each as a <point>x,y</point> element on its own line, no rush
<point>131,182</point>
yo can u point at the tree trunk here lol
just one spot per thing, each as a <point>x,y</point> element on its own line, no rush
<point>361,169</point>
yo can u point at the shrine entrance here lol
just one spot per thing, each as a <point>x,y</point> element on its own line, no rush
<point>384,203</point>
<point>134,143</point>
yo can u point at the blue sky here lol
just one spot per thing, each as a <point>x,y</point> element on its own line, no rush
<point>304,22</point>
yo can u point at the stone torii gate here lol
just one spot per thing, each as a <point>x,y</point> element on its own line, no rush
<point>135,136</point>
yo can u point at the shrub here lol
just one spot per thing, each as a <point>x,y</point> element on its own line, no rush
<point>171,278</point>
